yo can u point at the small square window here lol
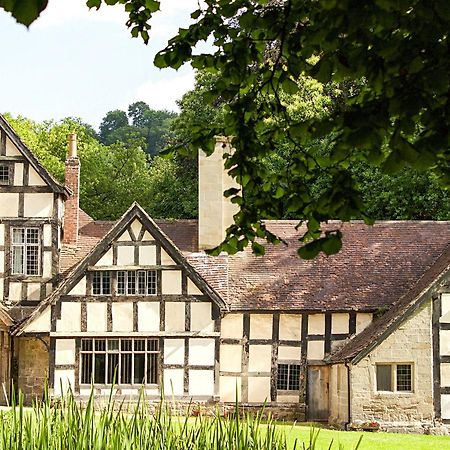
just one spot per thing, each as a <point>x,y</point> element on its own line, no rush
<point>288,378</point>
<point>394,377</point>
<point>404,377</point>
<point>6,174</point>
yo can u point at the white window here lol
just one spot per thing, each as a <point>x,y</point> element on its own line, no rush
<point>26,251</point>
<point>394,377</point>
<point>136,282</point>
<point>119,361</point>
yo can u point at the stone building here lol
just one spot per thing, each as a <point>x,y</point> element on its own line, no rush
<point>362,335</point>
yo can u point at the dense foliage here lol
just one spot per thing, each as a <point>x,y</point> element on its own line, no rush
<point>153,126</point>
<point>112,176</point>
<point>65,424</point>
<point>399,116</point>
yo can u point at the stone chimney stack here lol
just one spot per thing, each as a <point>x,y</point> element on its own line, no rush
<point>71,213</point>
<point>215,212</point>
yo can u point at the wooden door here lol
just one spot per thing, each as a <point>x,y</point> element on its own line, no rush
<point>318,393</point>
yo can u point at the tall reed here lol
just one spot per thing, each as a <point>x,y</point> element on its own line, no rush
<point>69,425</point>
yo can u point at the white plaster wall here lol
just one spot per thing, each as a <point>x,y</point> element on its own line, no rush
<point>171,282</point>
<point>147,255</point>
<point>35,179</point>
<point>47,235</point>
<point>166,260</point>
<point>9,204</point>
<point>1,288</point>
<point>410,343</point>
<point>290,327</point>
<point>339,323</point>
<point>260,358</point>
<point>231,326</point>
<point>79,288</point>
<point>445,406</point>
<point>201,382</point>
<point>201,317</point>
<point>286,353</point>
<point>173,382</point>
<point>148,316</point>
<point>47,262</point>
<point>18,174</point>
<point>261,326</point>
<point>363,320</point>
<point>201,352</point>
<point>11,149</point>
<point>445,308</point>
<point>444,345</point>
<point>33,291</point>
<point>2,261</point>
<point>15,291</point>
<point>258,389</point>
<point>96,315</point>
<point>41,323</point>
<point>38,205</point>
<point>230,388</point>
<point>316,324</point>
<point>192,288</point>
<point>445,374</point>
<point>122,316</point>
<point>174,351</point>
<point>174,317</point>
<point>65,351</point>
<point>2,233</point>
<point>230,358</point>
<point>124,237</point>
<point>106,259</point>
<point>70,317</point>
<point>136,227</point>
<point>125,255</point>
<point>64,379</point>
<point>316,350</point>
<point>147,236</point>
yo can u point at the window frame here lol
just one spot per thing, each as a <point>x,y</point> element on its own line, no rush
<point>394,367</point>
<point>10,166</point>
<point>123,291</point>
<point>120,351</point>
<point>25,245</point>
<point>290,365</point>
<point>102,274</point>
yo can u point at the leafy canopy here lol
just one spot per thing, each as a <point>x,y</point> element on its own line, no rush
<point>398,116</point>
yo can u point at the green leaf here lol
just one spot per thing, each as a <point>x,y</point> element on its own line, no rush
<point>310,250</point>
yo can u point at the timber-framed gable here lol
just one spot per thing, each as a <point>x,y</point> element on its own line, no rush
<point>133,291</point>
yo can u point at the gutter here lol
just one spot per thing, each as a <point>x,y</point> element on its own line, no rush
<point>349,409</point>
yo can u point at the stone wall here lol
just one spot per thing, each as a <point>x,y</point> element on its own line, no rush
<point>338,392</point>
<point>410,343</point>
<point>31,356</point>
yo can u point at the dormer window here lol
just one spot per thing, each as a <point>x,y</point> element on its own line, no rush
<point>6,174</point>
<point>25,251</point>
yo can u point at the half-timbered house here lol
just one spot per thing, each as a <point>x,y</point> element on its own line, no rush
<point>136,303</point>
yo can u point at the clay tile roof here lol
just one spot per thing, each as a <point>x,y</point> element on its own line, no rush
<point>364,342</point>
<point>89,234</point>
<point>375,267</point>
<point>182,232</point>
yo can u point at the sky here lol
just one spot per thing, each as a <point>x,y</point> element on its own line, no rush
<point>83,63</point>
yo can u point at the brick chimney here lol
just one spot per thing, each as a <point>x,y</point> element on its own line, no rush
<point>215,212</point>
<point>72,181</point>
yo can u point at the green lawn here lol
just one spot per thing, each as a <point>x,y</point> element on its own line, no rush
<point>370,441</point>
